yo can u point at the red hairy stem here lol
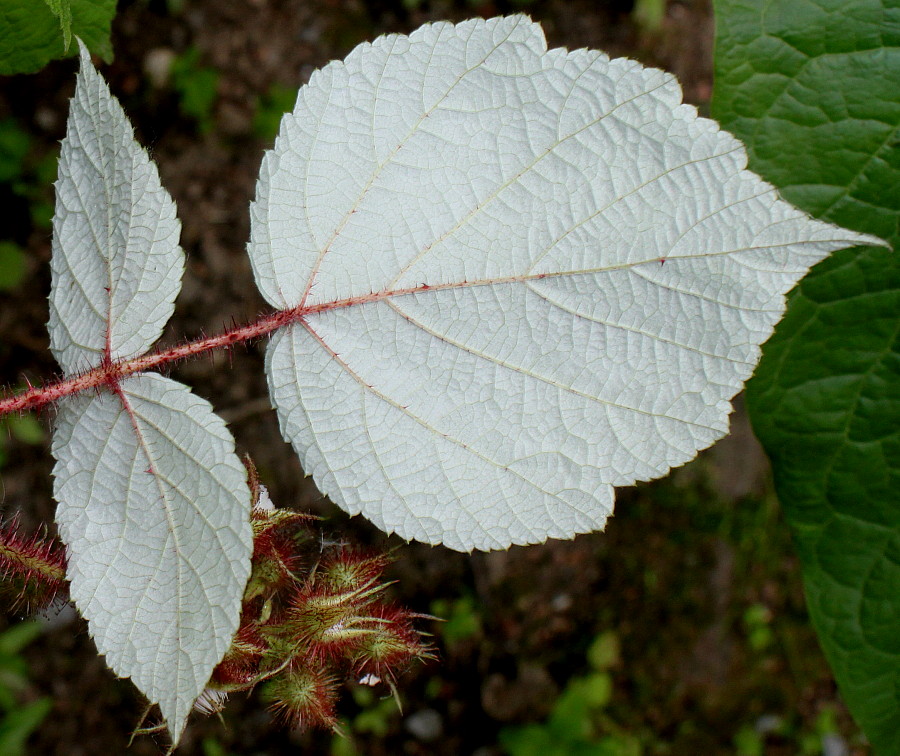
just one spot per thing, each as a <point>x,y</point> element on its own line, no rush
<point>109,373</point>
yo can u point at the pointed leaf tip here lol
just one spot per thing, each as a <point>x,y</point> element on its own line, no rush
<point>531,276</point>
<point>63,11</point>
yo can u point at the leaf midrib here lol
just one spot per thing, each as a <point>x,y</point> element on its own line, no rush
<point>387,161</point>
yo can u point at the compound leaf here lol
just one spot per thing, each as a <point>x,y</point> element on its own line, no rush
<point>525,277</point>
<point>154,509</point>
<point>153,502</point>
<point>116,262</point>
<point>813,87</point>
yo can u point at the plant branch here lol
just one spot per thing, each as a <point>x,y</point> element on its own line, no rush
<point>109,372</point>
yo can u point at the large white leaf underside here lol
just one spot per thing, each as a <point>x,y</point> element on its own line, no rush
<point>538,276</point>
<point>154,510</point>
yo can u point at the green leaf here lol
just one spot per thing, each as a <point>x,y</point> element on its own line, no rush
<point>30,31</point>
<point>530,740</point>
<point>62,9</point>
<point>196,85</point>
<point>461,619</point>
<point>811,87</point>
<point>19,724</point>
<point>18,636</point>
<point>605,651</point>
<point>573,713</point>
<point>15,143</point>
<point>270,108</point>
<point>12,265</point>
<point>27,429</point>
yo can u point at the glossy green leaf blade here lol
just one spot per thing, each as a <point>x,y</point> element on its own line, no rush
<point>32,33</point>
<point>116,264</point>
<point>530,276</point>
<point>62,9</point>
<point>154,509</point>
<point>813,88</point>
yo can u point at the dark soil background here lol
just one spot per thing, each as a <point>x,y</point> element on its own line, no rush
<point>694,579</point>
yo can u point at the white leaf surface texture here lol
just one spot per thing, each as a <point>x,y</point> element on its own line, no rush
<point>153,506</point>
<point>153,502</point>
<point>116,262</point>
<point>525,277</point>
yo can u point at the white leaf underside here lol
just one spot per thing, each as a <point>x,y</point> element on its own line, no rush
<point>153,502</point>
<point>153,507</point>
<point>602,270</point>
<point>116,262</point>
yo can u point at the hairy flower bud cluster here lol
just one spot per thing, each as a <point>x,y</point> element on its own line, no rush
<point>32,569</point>
<point>312,616</point>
